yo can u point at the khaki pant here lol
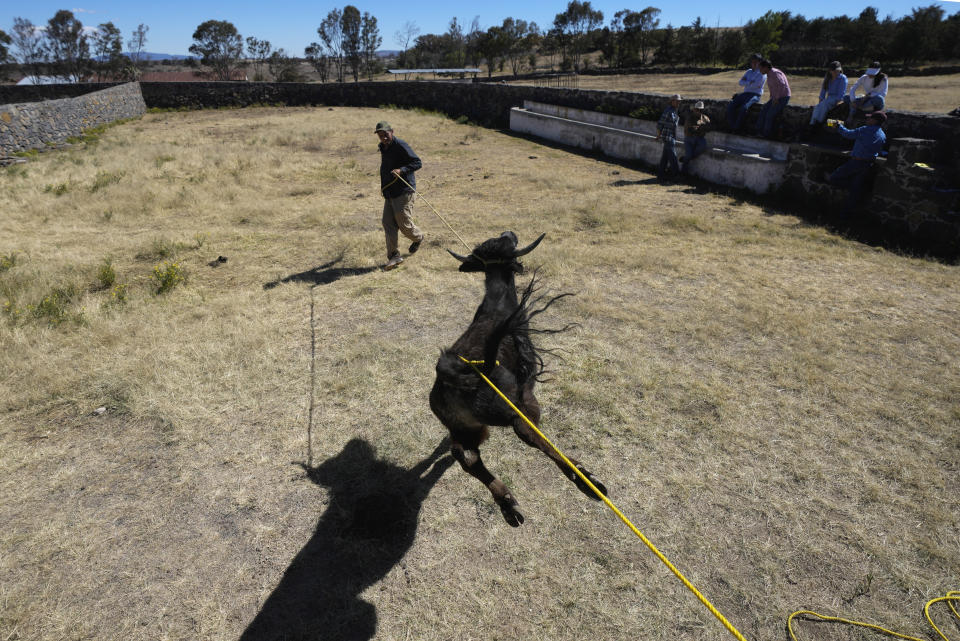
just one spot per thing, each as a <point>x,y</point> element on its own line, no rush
<point>397,217</point>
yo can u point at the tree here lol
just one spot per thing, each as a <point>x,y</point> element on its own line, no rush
<point>455,45</point>
<point>350,26</point>
<point>575,25</point>
<point>318,59</point>
<point>667,49</point>
<point>219,46</point>
<point>918,35</point>
<point>473,43</point>
<point>28,42</point>
<point>5,41</point>
<point>283,68</point>
<point>370,41</point>
<point>641,26</point>
<point>331,33</point>
<point>764,33</point>
<point>136,44</point>
<point>493,46</point>
<point>732,47</point>
<point>258,51</point>
<point>66,46</point>
<point>520,37</point>
<point>704,44</point>
<point>108,51</point>
<point>406,34</point>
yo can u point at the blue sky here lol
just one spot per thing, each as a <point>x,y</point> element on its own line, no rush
<point>292,24</point>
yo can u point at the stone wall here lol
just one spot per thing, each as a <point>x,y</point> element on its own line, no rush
<point>34,125</point>
<point>912,205</point>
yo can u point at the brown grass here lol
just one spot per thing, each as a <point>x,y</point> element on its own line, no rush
<point>773,405</point>
<point>933,94</point>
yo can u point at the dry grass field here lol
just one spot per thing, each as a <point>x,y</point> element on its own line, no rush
<point>932,94</point>
<point>773,405</point>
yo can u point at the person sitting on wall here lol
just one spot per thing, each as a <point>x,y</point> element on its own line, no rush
<point>874,84</point>
<point>695,127</point>
<point>833,89</point>
<point>779,97</point>
<point>752,82</point>
<point>667,131</point>
<point>869,141</point>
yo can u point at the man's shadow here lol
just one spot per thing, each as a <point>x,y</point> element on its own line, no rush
<point>322,274</point>
<point>367,529</point>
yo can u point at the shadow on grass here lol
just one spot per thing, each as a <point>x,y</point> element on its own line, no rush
<point>367,529</point>
<point>322,274</point>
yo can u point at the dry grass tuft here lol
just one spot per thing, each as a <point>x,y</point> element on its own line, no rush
<point>773,405</point>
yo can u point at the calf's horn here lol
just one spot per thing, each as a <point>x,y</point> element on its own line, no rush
<point>529,248</point>
<point>458,256</point>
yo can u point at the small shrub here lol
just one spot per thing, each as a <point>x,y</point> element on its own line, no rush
<point>166,277</point>
<point>106,275</point>
<point>105,178</point>
<point>7,261</point>
<point>56,190</point>
<point>159,248</point>
<point>118,295</point>
<point>645,113</point>
<point>54,306</point>
<point>199,238</point>
<point>161,160</point>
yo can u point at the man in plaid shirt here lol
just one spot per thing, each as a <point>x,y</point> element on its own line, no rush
<point>667,131</point>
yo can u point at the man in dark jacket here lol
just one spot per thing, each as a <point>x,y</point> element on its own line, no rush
<point>397,184</point>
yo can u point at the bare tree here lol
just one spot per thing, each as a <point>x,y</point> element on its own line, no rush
<point>318,59</point>
<point>370,41</point>
<point>331,33</point>
<point>108,51</point>
<point>136,44</point>
<point>28,45</point>
<point>406,34</point>
<point>259,51</point>
<point>350,27</point>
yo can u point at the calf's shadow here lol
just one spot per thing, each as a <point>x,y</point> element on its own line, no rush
<point>367,529</point>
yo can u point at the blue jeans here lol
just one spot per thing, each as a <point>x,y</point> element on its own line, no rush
<point>738,107</point>
<point>769,114</point>
<point>876,101</point>
<point>693,146</point>
<point>851,175</point>
<point>669,156</point>
<point>821,111</point>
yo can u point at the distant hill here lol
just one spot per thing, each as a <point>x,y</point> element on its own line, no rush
<point>146,55</point>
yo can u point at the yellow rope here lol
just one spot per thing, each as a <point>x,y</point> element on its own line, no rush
<point>951,596</point>
<point>400,178</point>
<point>613,507</point>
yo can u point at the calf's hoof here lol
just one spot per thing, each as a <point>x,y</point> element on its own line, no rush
<point>583,487</point>
<point>508,506</point>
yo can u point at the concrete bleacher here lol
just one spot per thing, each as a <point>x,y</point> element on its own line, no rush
<point>737,161</point>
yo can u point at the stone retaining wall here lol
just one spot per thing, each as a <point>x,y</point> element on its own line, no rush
<point>34,125</point>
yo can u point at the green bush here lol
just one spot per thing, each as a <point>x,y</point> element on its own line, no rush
<point>106,275</point>
<point>7,261</point>
<point>167,276</point>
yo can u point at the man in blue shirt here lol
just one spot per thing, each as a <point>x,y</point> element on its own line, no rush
<point>752,82</point>
<point>869,141</point>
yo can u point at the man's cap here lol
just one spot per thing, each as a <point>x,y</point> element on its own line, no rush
<point>879,116</point>
<point>383,125</point>
<point>675,96</point>
<point>698,104</point>
<point>756,56</point>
